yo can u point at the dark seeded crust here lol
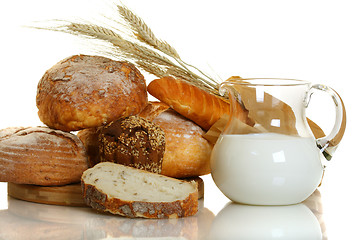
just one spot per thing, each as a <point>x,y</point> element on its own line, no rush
<point>133,141</point>
<point>131,209</point>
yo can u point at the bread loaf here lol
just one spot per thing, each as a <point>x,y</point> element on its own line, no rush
<point>41,156</point>
<point>133,141</point>
<point>190,101</point>
<point>130,192</point>
<point>187,153</point>
<point>89,91</point>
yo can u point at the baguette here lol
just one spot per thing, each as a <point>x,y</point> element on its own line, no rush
<point>131,192</point>
<point>190,101</point>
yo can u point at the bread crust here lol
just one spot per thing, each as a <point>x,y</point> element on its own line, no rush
<point>100,201</point>
<point>153,109</point>
<point>41,156</point>
<point>190,101</point>
<point>135,205</point>
<point>90,138</point>
<point>187,153</point>
<point>133,141</point>
<point>89,91</point>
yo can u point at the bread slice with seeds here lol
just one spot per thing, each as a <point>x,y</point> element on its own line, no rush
<point>130,192</point>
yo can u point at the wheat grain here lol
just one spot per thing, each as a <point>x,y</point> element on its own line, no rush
<point>132,40</point>
<point>144,33</point>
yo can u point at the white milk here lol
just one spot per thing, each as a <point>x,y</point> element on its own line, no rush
<point>267,168</point>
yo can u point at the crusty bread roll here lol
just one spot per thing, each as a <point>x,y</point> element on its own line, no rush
<point>190,101</point>
<point>89,91</point>
<point>187,153</point>
<point>132,192</point>
<point>41,156</point>
<point>133,141</point>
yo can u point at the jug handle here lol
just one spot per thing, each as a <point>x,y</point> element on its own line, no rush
<point>329,143</point>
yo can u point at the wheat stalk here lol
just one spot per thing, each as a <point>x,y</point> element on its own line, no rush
<point>134,41</point>
<point>143,33</point>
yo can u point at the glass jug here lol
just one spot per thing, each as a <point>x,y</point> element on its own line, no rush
<point>276,160</point>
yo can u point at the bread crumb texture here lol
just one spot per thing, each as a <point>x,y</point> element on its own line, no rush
<point>131,192</point>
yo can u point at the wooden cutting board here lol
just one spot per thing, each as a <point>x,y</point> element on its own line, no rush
<point>68,195</point>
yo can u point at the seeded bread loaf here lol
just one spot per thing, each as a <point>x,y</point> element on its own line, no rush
<point>134,142</point>
<point>187,152</point>
<point>41,156</point>
<point>130,192</point>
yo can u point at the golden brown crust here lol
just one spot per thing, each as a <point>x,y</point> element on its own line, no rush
<point>190,101</point>
<point>89,91</point>
<point>90,138</point>
<point>41,156</point>
<point>101,202</point>
<point>187,153</point>
<point>153,109</point>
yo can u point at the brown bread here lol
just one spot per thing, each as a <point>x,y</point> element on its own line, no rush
<point>89,91</point>
<point>41,156</point>
<point>133,141</point>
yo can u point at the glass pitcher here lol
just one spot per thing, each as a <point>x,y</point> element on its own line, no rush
<point>276,160</point>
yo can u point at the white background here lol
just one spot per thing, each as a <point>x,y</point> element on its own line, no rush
<point>311,40</point>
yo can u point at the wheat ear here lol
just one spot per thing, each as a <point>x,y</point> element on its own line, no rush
<point>143,33</point>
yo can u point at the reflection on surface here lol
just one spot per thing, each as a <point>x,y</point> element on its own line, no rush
<point>300,221</point>
<point>26,220</point>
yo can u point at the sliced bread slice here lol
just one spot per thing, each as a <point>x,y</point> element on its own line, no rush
<point>130,192</point>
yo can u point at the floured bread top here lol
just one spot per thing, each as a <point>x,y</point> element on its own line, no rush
<point>37,137</point>
<point>175,123</point>
<point>130,184</point>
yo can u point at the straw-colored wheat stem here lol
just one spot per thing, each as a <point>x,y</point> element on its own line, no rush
<point>143,33</point>
<point>132,40</point>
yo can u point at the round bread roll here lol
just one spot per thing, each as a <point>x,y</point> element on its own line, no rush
<point>41,156</point>
<point>187,153</point>
<point>89,91</point>
<point>134,142</point>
